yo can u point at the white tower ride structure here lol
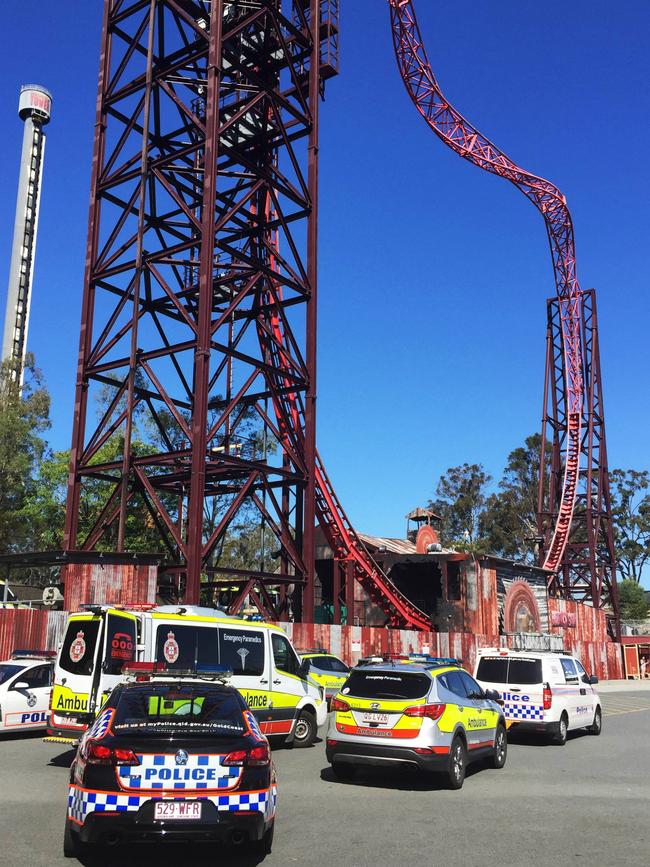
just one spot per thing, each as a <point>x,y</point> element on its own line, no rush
<point>34,108</point>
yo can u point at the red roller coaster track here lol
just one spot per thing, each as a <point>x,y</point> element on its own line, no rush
<point>468,142</point>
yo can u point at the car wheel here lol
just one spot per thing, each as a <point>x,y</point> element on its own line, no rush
<point>561,729</point>
<point>343,771</point>
<point>500,748</point>
<point>304,733</point>
<point>457,763</point>
<point>264,846</point>
<point>597,725</point>
<point>71,842</point>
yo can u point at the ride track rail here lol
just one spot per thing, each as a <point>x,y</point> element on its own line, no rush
<point>469,143</point>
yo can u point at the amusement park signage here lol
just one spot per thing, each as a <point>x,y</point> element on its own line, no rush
<point>563,618</point>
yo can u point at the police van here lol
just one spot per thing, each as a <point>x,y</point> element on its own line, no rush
<point>266,669</point>
<point>546,692</point>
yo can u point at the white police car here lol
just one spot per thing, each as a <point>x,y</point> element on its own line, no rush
<point>25,686</point>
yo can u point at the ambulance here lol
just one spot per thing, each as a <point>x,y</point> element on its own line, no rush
<point>267,671</point>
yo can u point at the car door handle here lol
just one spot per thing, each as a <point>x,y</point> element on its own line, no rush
<point>277,681</point>
<point>263,680</point>
<point>515,689</point>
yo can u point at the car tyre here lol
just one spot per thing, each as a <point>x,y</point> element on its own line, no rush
<point>264,846</point>
<point>561,730</point>
<point>597,725</point>
<point>305,730</point>
<point>457,763</point>
<point>71,842</point>
<point>344,771</point>
<point>500,753</point>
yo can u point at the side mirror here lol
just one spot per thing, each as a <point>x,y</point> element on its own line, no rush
<point>492,694</point>
<point>20,685</point>
<point>593,679</point>
<point>303,671</point>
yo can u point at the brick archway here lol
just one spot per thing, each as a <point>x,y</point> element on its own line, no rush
<point>520,611</point>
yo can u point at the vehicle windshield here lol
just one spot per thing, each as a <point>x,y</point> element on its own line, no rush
<point>386,684</point>
<point>502,669</point>
<point>182,709</point>
<point>8,670</point>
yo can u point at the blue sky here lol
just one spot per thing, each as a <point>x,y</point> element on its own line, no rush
<point>433,274</point>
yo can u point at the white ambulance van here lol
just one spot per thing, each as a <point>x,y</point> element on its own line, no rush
<point>266,668</point>
<point>547,692</point>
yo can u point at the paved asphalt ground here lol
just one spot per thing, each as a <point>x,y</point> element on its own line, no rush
<point>585,803</point>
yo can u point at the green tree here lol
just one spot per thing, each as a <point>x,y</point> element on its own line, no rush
<point>24,417</point>
<point>631,521</point>
<point>509,522</point>
<point>632,600</point>
<point>460,501</point>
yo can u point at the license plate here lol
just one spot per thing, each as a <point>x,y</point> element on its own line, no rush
<point>177,810</point>
<point>381,718</point>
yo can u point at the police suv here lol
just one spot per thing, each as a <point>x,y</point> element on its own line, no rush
<point>25,686</point>
<point>423,715</point>
<point>266,668</point>
<point>546,692</point>
<point>172,756</point>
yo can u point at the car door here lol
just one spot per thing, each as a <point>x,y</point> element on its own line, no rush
<point>28,707</point>
<point>466,708</point>
<point>587,699</point>
<point>571,690</point>
<point>246,651</point>
<point>288,688</point>
<point>482,721</point>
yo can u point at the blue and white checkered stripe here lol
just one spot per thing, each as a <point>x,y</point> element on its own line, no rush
<point>101,724</point>
<point>515,710</point>
<point>81,802</point>
<point>147,775</point>
<point>254,725</point>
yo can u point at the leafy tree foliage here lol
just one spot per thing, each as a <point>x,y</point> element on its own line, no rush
<point>631,514</point>
<point>460,502</point>
<point>24,417</point>
<point>632,600</point>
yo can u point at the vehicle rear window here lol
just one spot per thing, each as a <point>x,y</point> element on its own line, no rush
<point>120,643</point>
<point>7,671</point>
<point>503,669</point>
<point>185,709</point>
<point>78,651</point>
<point>386,684</point>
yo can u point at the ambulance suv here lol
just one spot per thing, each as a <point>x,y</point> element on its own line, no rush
<point>266,669</point>
<point>546,692</point>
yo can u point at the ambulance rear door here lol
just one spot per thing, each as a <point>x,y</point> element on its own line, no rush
<point>120,637</point>
<point>77,670</point>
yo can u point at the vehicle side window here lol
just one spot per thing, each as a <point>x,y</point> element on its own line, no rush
<point>120,643</point>
<point>284,655</point>
<point>338,666</point>
<point>37,677</point>
<point>453,681</point>
<point>569,669</point>
<point>581,672</point>
<point>471,686</point>
<point>242,650</point>
<point>323,663</point>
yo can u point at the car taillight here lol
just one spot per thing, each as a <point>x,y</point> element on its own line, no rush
<point>339,705</point>
<point>430,711</point>
<point>331,742</point>
<point>98,754</point>
<point>547,697</point>
<point>258,757</point>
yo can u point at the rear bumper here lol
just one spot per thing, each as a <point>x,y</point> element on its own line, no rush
<point>215,825</point>
<point>384,756</point>
<point>530,726</point>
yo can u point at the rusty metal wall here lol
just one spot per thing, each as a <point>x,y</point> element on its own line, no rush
<point>30,629</point>
<point>113,584</point>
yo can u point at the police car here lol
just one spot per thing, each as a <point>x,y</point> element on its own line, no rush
<point>327,670</point>
<point>546,692</point>
<point>424,715</point>
<point>25,686</point>
<point>174,757</point>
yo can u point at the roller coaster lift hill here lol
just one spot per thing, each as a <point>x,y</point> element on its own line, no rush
<point>199,309</point>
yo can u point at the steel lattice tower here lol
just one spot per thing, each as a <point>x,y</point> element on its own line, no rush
<point>199,307</point>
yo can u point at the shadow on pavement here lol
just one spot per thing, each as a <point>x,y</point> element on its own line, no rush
<point>62,760</point>
<point>171,855</point>
<point>400,779</point>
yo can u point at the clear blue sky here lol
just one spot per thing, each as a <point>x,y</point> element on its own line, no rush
<point>433,274</point>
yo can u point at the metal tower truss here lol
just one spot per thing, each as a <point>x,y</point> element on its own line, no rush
<point>198,321</point>
<point>588,567</point>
